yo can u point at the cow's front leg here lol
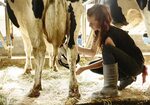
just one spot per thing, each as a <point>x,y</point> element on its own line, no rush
<point>73,84</point>
<point>39,54</point>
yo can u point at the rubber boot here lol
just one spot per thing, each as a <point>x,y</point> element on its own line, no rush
<point>125,82</point>
<point>110,88</point>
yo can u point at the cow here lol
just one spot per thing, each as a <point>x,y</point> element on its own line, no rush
<point>144,6</point>
<point>52,20</point>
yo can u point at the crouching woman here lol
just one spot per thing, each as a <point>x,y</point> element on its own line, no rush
<point>121,58</point>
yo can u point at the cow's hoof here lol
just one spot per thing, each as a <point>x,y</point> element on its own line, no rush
<point>71,101</point>
<point>28,71</point>
<point>40,88</point>
<point>74,92</point>
<point>55,69</point>
<point>76,95</point>
<point>34,93</point>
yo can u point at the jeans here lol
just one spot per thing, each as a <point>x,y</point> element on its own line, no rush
<point>127,66</point>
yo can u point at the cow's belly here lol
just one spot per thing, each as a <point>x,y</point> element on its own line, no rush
<point>55,23</point>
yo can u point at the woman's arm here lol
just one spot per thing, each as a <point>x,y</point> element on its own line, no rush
<point>95,65</point>
<point>89,51</point>
<point>109,41</point>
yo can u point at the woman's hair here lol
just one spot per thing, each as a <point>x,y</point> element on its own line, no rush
<point>101,14</point>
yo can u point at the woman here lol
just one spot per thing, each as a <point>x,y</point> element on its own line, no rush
<point>122,59</point>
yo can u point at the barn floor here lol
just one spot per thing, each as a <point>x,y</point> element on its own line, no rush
<point>14,87</point>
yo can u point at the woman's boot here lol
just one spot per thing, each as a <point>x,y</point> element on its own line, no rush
<point>110,88</point>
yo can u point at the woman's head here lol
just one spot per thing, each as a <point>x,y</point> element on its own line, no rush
<point>99,17</point>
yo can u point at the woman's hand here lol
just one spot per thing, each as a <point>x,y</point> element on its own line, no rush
<point>79,70</point>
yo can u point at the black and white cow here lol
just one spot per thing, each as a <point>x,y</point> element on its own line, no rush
<point>144,6</point>
<point>52,20</point>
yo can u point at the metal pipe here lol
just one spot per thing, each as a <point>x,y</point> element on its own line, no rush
<point>2,4</point>
<point>2,40</point>
<point>8,37</point>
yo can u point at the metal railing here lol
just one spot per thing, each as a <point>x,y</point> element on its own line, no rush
<point>9,33</point>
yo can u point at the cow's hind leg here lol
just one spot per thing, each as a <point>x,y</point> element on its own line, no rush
<point>39,54</point>
<point>73,85</point>
<point>28,50</point>
<point>71,56</point>
<point>55,53</point>
<point>74,94</point>
<point>39,50</point>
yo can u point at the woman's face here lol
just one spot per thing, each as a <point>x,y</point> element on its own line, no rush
<point>93,23</point>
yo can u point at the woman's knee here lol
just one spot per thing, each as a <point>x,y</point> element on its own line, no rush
<point>107,48</point>
<point>107,53</point>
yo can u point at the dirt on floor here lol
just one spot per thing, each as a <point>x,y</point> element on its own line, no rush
<point>14,87</point>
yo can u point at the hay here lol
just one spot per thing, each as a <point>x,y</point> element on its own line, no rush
<point>14,87</point>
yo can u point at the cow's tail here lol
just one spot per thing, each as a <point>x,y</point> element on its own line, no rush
<point>56,8</point>
<point>144,74</point>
